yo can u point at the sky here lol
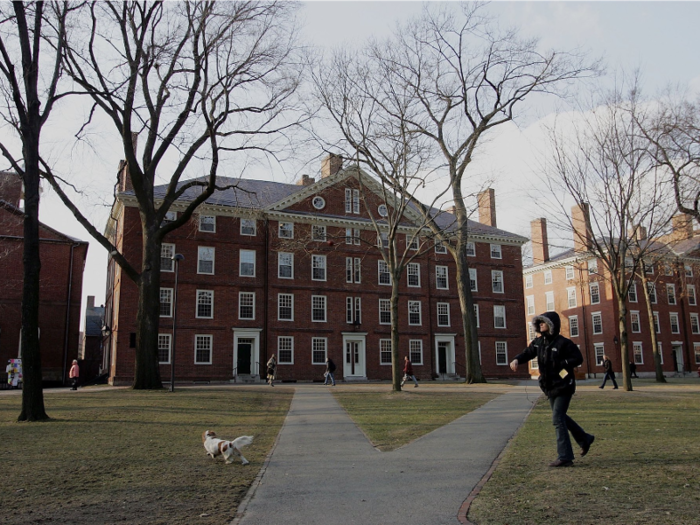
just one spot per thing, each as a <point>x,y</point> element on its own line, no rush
<point>659,38</point>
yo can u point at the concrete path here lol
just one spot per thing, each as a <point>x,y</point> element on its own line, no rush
<point>323,470</point>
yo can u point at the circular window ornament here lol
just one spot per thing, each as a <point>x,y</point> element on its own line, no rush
<point>383,210</point>
<point>318,202</point>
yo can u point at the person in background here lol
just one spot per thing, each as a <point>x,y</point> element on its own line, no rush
<point>408,372</point>
<point>271,369</point>
<point>74,374</point>
<point>330,369</point>
<point>609,374</point>
<point>633,370</point>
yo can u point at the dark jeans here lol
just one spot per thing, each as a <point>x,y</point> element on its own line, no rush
<point>74,385</point>
<point>563,424</point>
<point>612,377</point>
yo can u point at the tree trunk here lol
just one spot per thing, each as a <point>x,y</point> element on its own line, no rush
<point>660,378</point>
<point>147,368</point>
<point>397,372</point>
<point>471,336</point>
<point>624,354</point>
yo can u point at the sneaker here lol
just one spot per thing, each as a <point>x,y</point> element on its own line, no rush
<point>415,386</point>
<point>560,463</point>
<point>600,387</point>
<point>586,447</point>
<point>615,388</point>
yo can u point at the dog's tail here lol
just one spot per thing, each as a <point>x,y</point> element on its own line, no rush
<point>242,441</point>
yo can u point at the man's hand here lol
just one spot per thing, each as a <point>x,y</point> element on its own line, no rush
<point>514,365</point>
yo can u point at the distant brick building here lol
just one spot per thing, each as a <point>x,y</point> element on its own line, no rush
<point>90,353</point>
<point>61,283</point>
<point>293,270</point>
<point>577,286</point>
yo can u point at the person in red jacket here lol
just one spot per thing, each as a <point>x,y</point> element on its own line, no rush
<point>74,374</point>
<point>408,372</point>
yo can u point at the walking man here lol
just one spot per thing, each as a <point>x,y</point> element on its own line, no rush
<point>330,368</point>
<point>609,373</point>
<point>408,372</point>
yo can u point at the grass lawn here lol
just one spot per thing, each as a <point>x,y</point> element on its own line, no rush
<point>393,419</point>
<point>133,456</point>
<point>644,467</point>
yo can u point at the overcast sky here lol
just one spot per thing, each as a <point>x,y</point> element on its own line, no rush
<point>661,38</point>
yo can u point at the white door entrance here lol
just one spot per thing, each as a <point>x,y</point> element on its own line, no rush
<point>354,357</point>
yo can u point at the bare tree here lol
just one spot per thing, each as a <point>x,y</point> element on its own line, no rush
<point>198,82</point>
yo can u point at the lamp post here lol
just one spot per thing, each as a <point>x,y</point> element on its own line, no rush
<point>177,258</point>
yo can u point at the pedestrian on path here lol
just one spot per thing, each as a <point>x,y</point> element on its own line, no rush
<point>557,357</point>
<point>330,369</point>
<point>609,374</point>
<point>633,370</point>
<point>408,372</point>
<point>271,370</point>
<point>74,374</point>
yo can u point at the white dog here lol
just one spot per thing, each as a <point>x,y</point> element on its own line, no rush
<point>228,449</point>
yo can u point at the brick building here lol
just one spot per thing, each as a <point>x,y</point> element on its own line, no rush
<point>293,270</point>
<point>61,283</point>
<point>577,285</point>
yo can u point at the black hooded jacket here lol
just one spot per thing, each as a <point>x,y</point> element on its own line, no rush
<point>555,354</point>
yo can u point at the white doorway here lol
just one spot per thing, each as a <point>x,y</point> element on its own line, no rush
<point>677,355</point>
<point>246,354</point>
<point>445,355</point>
<point>354,358</point>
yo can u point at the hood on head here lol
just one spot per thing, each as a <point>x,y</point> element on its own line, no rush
<point>552,320</point>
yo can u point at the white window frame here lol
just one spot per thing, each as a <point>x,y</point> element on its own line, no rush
<point>285,343</point>
<point>549,301</point>
<point>443,314</point>
<point>285,230</point>
<point>318,267</point>
<point>696,350</point>
<point>203,252</point>
<point>247,295</point>
<point>353,272</point>
<point>319,304</point>
<point>162,338</point>
<point>595,298</point>
<point>571,297</point>
<point>473,282</point>
<point>470,248</point>
<point>476,315</point>
<point>169,294</point>
<point>496,251</point>
<point>205,221</point>
<point>383,274</point>
<point>635,322</point>
<point>352,236</point>
<point>167,252</point>
<point>352,201</point>
<point>671,317</point>
<point>599,317</point>
<point>497,281</point>
<point>415,351</point>
<point>499,312</point>
<point>385,308</point>
<point>530,304</point>
<point>569,272</point>
<point>288,300</point>
<point>657,322</point>
<point>440,247</point>
<point>244,258</point>
<point>632,292</point>
<point>528,281</point>
<point>599,350</point>
<point>413,274</point>
<point>637,353</point>
<point>353,310</point>
<point>285,260</point>
<point>694,323</point>
<point>209,345</point>
<point>548,277</point>
<point>442,282</point>
<point>318,233</point>
<point>415,308</point>
<point>249,227</point>
<point>692,297</point>
<point>502,353</point>
<point>671,294</point>
<point>203,294</point>
<point>592,265</point>
<point>319,345</point>
<point>574,330</point>
<point>385,352</point>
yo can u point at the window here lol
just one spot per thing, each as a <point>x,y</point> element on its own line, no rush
<point>688,271</point>
<point>205,260</point>
<point>385,351</point>
<point>382,210</point>
<point>247,263</point>
<point>499,316</point>
<point>318,350</point>
<point>501,353</point>
<point>166,302</point>
<point>207,223</point>
<point>441,277</point>
<point>384,311</point>
<point>569,272</point>
<point>690,291</point>
<point>415,350</point>
<point>352,201</point>
<point>472,279</point>
<point>497,281</point>
<point>286,230</point>
<point>414,313</point>
<point>439,247</point>
<point>471,249</point>
<point>352,236</point>
<point>530,300</point>
<point>597,319</point>
<point>671,293</point>
<point>166,257</point>
<point>592,265</point>
<point>383,240</point>
<point>413,271</point>
<point>530,333</point>
<point>549,301</point>
<point>696,349</point>
<point>650,270</point>
<point>285,350</point>
<point>384,275</point>
<point>637,351</point>
<point>318,308</point>
<point>164,349</point>
<point>528,281</point>
<point>599,353</point>
<point>285,265</point>
<point>413,242</point>
<point>318,267</point>
<point>443,314</point>
<point>248,227</point>
<point>548,277</point>
<point>246,305</point>
<point>652,292</point>
<point>573,326</point>
<point>694,324</point>
<point>496,251</point>
<point>534,365</point>
<point>352,269</point>
<point>657,325</point>
<point>202,349</point>
<point>595,293</point>
<point>353,310</point>
<point>318,202</point>
<point>632,292</point>
<point>634,322</point>
<point>285,307</point>
<point>571,297</point>
<point>318,233</point>
<point>205,304</point>
<point>170,216</point>
<point>476,314</point>
<point>675,327</point>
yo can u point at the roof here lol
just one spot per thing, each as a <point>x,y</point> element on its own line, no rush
<point>62,237</point>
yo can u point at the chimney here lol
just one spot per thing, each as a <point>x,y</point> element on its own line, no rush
<point>305,181</point>
<point>123,176</point>
<point>11,188</point>
<point>90,302</point>
<point>580,220</point>
<point>637,233</point>
<point>487,207</point>
<point>540,243</point>
<point>682,227</point>
<point>331,165</point>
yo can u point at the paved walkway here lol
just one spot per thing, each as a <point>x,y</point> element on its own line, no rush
<point>323,470</point>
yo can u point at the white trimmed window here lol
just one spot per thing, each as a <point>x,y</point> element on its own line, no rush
<point>569,272</point>
<point>413,273</point>
<point>632,292</point>
<point>571,297</point>
<point>247,263</point>
<point>319,350</point>
<point>635,323</point>
<point>318,308</point>
<point>415,350</point>
<point>352,201</point>
<point>439,247</point>
<point>385,351</point>
<point>499,316</point>
<point>599,353</point>
<point>285,265</point>
<point>671,293</point>
<point>595,293</point>
<point>285,350</point>
<point>170,216</point>
<point>246,305</point>
<point>202,349</point>
<point>501,353</point>
<point>166,257</point>
<point>638,355</point>
<point>652,292</point>
<point>318,267</point>
<point>285,307</point>
<point>205,260</point>
<point>530,301</point>
<point>549,301</point>
<point>593,266</point>
<point>286,230</point>
<point>352,269</point>
<point>597,321</point>
<point>164,343</point>
<point>573,326</point>
<point>205,304</point>
<point>443,314</point>
<point>496,252</point>
<point>207,223</point>
<point>472,280</point>
<point>530,333</point>
<point>413,242</point>
<point>497,281</point>
<point>476,314</point>
<point>471,249</point>
<point>352,236</point>
<point>690,291</point>
<point>688,271</point>
<point>528,281</point>
<point>248,227</point>
<point>414,313</point>
<point>548,277</point>
<point>694,324</point>
<point>383,240</point>
<point>384,311</point>
<point>675,325</point>
<point>353,310</point>
<point>696,350</point>
<point>657,325</point>
<point>318,233</point>
<point>384,277</point>
<point>441,279</point>
<point>166,302</point>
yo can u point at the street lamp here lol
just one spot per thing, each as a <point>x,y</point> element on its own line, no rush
<point>177,258</point>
